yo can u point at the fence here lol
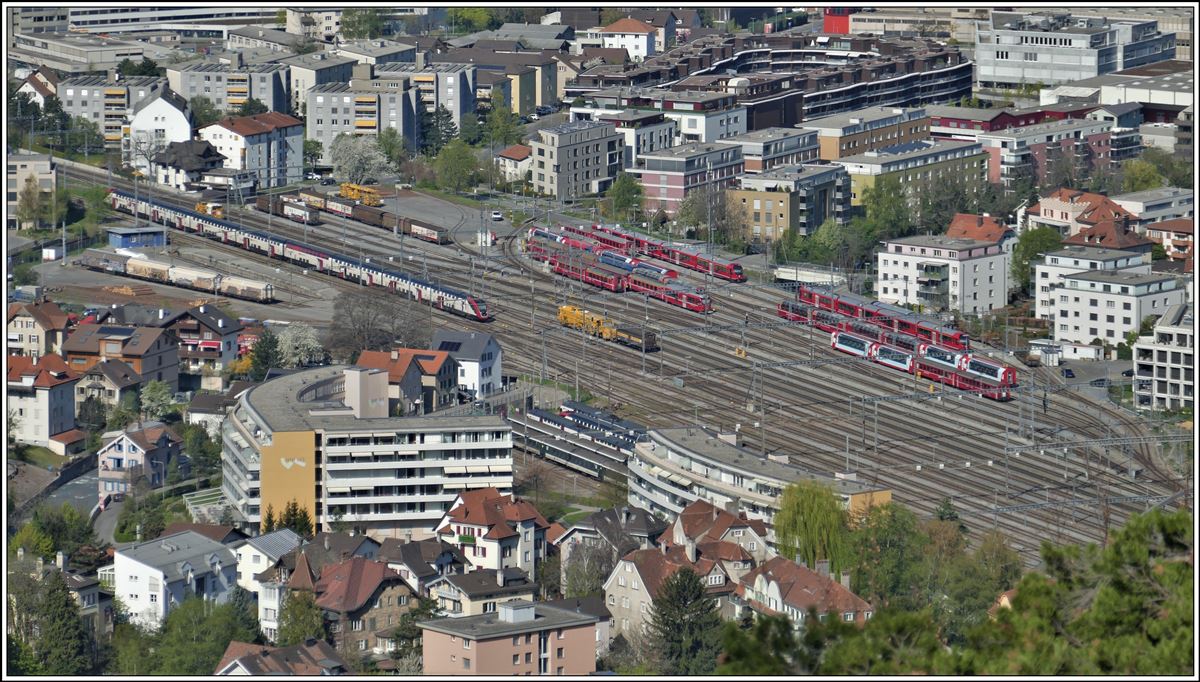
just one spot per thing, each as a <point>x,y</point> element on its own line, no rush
<point>33,254</point>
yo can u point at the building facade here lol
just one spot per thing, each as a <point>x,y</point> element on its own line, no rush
<point>480,360</point>
<point>495,531</point>
<point>572,160</point>
<point>635,37</point>
<point>270,145</point>
<point>36,329</point>
<point>20,167</point>
<point>1157,205</point>
<point>944,273</point>
<point>128,455</point>
<point>1030,153</point>
<point>668,176</point>
<point>41,398</point>
<point>644,132</point>
<point>229,86</point>
<point>867,130</point>
<point>917,166</point>
<point>152,578</point>
<point>1109,305</point>
<point>307,71</point>
<point>151,352</point>
<point>698,116</point>
<point>108,102</point>
<point>770,148</point>
<point>336,108</point>
<point>1048,274</point>
<point>1163,362</point>
<point>155,123</point>
<point>1175,237</point>
<point>795,198</point>
<point>448,85</point>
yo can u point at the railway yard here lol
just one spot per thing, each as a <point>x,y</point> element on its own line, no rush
<point>1051,464</point>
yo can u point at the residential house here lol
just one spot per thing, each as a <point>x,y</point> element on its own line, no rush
<point>590,606</point>
<point>155,122</point>
<point>207,337</point>
<point>644,131</point>
<point>780,586</point>
<point>109,381</point>
<point>182,165</point>
<point>703,522</point>
<point>19,168</point>
<point>1175,236</point>
<point>664,23</point>
<point>152,352</point>
<point>514,162</point>
<point>521,639</point>
<point>495,530</point>
<point>226,535</point>
<point>139,450</point>
<point>312,658</point>
<point>255,554</point>
<point>571,160</point>
<point>37,328</point>
<point>419,381</point>
<point>637,37</point>
<point>1071,210</point>
<point>40,84</point>
<point>95,605</point>
<point>152,578</point>
<point>41,398</point>
<point>982,227</point>
<point>1111,234</point>
<point>619,531</point>
<point>943,273</point>
<point>270,145</point>
<point>478,592</point>
<point>209,409</point>
<point>480,360</point>
<point>422,561</point>
<point>363,601</point>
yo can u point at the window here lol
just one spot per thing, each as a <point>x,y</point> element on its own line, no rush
<point>466,663</point>
<point>516,657</point>
<point>362,645</point>
<point>560,633</point>
<point>356,625</point>
<point>467,642</point>
<point>612,601</point>
<point>848,616</point>
<point>528,657</point>
<point>154,599</point>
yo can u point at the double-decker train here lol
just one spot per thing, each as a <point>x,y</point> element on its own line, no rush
<point>890,317</point>
<point>375,217</point>
<point>318,258</point>
<point>681,256</point>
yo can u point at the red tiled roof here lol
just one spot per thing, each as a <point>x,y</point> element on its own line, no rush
<point>803,588</point>
<point>1096,207</point>
<point>49,371</point>
<point>1176,225</point>
<point>68,437</point>
<point>47,314</point>
<point>428,361</point>
<point>487,507</point>
<point>980,227</point>
<point>517,152</point>
<point>655,566</point>
<point>347,586</point>
<point>628,25</point>
<point>236,650</point>
<point>554,532</point>
<point>259,123</point>
<point>702,520</point>
<point>302,577</point>
<point>1108,234</point>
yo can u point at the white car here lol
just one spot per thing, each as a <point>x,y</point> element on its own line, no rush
<point>497,215</point>
<point>534,117</point>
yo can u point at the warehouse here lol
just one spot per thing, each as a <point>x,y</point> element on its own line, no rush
<point>136,237</point>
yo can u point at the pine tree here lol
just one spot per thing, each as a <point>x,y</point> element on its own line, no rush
<point>303,522</point>
<point>268,523</point>
<point>264,355</point>
<point>685,626</point>
<point>300,619</point>
<point>62,644</point>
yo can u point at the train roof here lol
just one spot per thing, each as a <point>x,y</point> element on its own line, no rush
<point>886,308</point>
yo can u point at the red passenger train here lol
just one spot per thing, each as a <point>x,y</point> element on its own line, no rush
<point>677,255</point>
<point>891,317</point>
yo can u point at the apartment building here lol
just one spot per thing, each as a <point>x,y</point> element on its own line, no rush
<point>207,337</point>
<point>255,554</point>
<point>572,160</point>
<point>1014,48</point>
<point>261,36</point>
<point>155,123</point>
<point>1031,152</point>
<point>425,379</point>
<point>479,592</point>
<point>36,329</point>
<point>1108,305</point>
<point>19,167</point>
<point>699,116</point>
<point>1070,211</point>
<point>377,51</point>
<point>307,71</point>
<point>72,53</point>
<point>384,476</point>
<point>769,148</point>
<point>772,100</point>
<point>1175,237</point>
<point>519,639</point>
<point>1157,205</point>
<point>1048,274</point>
<point>140,450</point>
<point>153,578</point>
<point>867,130</point>
<point>644,131</point>
<point>966,123</point>
<point>944,273</point>
<point>948,22</point>
<point>270,145</point>
<point>448,85</point>
<point>322,24</point>
<point>495,531</point>
<point>41,397</point>
<point>151,352</point>
<point>336,108</point>
<point>917,166</point>
<point>635,37</point>
<point>111,382</point>
<point>674,467</point>
<point>668,176</point>
<point>1125,140</point>
<point>229,86</point>
<point>363,601</point>
<point>479,357</point>
<point>1163,362</point>
<point>108,102</point>
<point>793,198</point>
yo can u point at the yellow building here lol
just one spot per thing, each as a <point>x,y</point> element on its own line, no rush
<point>861,131</point>
<point>916,165</point>
<point>522,89</point>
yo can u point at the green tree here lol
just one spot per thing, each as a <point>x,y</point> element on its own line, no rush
<point>134,651</point>
<point>54,118</point>
<point>684,626</point>
<point>67,529</point>
<point>62,645</point>
<point>626,195</point>
<point>125,413</point>
<point>297,518</point>
<point>204,111</point>
<point>85,136</point>
<point>156,399</point>
<point>468,19</point>
<point>893,643</point>
<point>887,547</point>
<point>252,107</point>
<point>147,67</point>
<point>811,525</point>
<point>549,578</point>
<point>407,635</point>
<point>300,619</point>
<point>886,204</point>
<point>946,512</point>
<point>503,127</point>
<point>21,659</point>
<point>194,636</point>
<point>362,23</point>
<point>264,355</point>
<point>312,152</point>
<point>1030,246</point>
<point>33,541</point>
<point>440,131</point>
<point>456,166</point>
<point>244,606</point>
<point>1139,175</point>
<point>393,146</point>
<point>25,275</point>
<point>31,203</point>
<point>1175,168</point>
<point>471,131</point>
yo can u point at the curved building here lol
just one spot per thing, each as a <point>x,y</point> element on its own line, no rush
<point>323,438</point>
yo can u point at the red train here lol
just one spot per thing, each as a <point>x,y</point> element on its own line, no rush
<point>677,255</point>
<point>890,317</point>
<point>987,378</point>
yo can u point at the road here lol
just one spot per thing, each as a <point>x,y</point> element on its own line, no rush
<point>106,522</point>
<point>81,493</point>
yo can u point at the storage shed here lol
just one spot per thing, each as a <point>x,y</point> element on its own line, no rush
<point>136,237</point>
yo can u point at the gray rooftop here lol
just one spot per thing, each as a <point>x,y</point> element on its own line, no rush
<point>276,543</point>
<point>214,67</point>
<point>769,134</point>
<point>860,117</point>
<point>317,60</point>
<point>574,126</point>
<point>374,48</point>
<point>489,625</point>
<point>123,82</point>
<point>278,403</point>
<point>1091,253</point>
<point>405,67</point>
<point>705,444</point>
<point>344,87</point>
<point>468,346</point>
<point>483,583</point>
<point>1043,128</point>
<point>911,150</point>
<point>939,241</point>
<point>1119,277</point>
<point>172,554</point>
<point>1155,194</point>
<point>1176,316</point>
<point>268,34</point>
<point>684,151</point>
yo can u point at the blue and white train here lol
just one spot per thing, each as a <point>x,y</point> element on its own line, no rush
<point>317,258</point>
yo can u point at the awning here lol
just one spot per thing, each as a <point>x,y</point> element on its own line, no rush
<point>500,470</point>
<point>362,487</point>
<point>337,489</point>
<point>362,454</point>
<point>454,470</point>
<point>477,470</point>
<point>453,486</point>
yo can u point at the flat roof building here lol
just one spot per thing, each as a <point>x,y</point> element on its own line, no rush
<point>1164,362</point>
<point>72,52</point>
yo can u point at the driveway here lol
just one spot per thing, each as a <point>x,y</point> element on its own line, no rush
<point>81,493</point>
<point>106,522</point>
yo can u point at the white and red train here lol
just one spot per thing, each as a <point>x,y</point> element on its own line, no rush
<point>887,316</point>
<point>633,244</point>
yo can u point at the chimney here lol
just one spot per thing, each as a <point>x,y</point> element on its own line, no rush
<point>161,313</point>
<point>500,577</point>
<point>220,323</point>
<point>846,579</point>
<point>60,560</point>
<point>326,543</point>
<point>823,567</point>
<point>201,308</point>
<point>978,221</point>
<point>691,550</point>
<point>716,512</point>
<point>395,354</point>
<point>663,546</point>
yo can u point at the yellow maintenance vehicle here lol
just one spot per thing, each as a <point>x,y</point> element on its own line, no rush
<point>366,195</point>
<point>209,208</point>
<point>604,328</point>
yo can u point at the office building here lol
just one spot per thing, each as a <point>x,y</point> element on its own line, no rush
<point>72,53</point>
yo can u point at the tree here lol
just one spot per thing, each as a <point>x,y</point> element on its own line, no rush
<point>204,111</point>
<point>393,146</point>
<point>1175,168</point>
<point>356,158</point>
<point>85,135</point>
<point>133,651</point>
<point>31,205</point>
<point>62,645</point>
<point>468,19</point>
<point>456,166</point>
<point>946,512</point>
<point>363,320</point>
<point>264,355</point>
<point>887,547</point>
<point>125,413</point>
<point>549,577</point>
<point>35,542</point>
<point>1140,175</point>
<point>407,635</point>
<point>588,567</point>
<point>252,107</point>
<point>297,518</point>
<point>67,529</point>
<point>312,151</point>
<point>244,606</point>
<point>361,23</point>
<point>893,643</point>
<point>470,130</point>
<point>300,619</point>
<point>503,127</point>
<point>196,634</point>
<point>23,115</point>
<point>299,346</point>
<point>268,523</point>
<point>437,129</point>
<point>1030,246</point>
<point>54,118</point>
<point>626,195</point>
<point>886,204</point>
<point>147,67</point>
<point>685,626</point>
<point>156,399</point>
<point>811,525</point>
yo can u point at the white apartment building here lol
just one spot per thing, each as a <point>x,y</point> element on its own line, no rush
<point>152,578</point>
<point>156,123</point>
<point>313,69</point>
<point>107,102</point>
<point>1048,274</point>
<point>41,397</point>
<point>1163,362</point>
<point>645,132</point>
<point>323,438</point>
<point>635,37</point>
<point>479,356</point>
<point>18,168</point>
<point>269,145</point>
<point>944,273</point>
<point>575,159</point>
<point>1108,305</point>
<point>257,554</point>
<point>1156,205</point>
<point>336,108</point>
<point>699,116</point>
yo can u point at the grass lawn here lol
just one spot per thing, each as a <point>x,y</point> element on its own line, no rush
<point>97,159</point>
<point>453,198</point>
<point>574,517</point>
<point>42,457</point>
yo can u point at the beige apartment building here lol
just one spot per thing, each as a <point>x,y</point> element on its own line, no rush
<point>866,130</point>
<point>20,167</point>
<point>576,159</point>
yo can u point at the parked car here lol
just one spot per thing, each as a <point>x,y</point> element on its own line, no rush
<point>328,181</point>
<point>313,175</point>
<point>1068,373</point>
<point>370,181</point>
<point>1099,383</point>
<point>1127,373</point>
<point>497,215</point>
